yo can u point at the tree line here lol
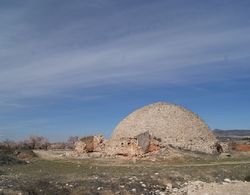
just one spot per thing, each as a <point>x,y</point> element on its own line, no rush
<point>37,142</point>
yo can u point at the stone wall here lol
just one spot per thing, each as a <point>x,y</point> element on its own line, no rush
<point>90,144</point>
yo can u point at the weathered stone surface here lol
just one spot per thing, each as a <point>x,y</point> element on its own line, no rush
<point>80,147</point>
<point>172,124</point>
<point>143,141</point>
<point>89,144</point>
<point>154,145</point>
<point>125,147</point>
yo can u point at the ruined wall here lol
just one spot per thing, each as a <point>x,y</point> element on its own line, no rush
<point>143,141</point>
<point>90,144</point>
<point>125,147</point>
<point>136,146</point>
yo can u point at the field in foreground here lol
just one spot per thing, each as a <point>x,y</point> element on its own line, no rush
<point>116,176</point>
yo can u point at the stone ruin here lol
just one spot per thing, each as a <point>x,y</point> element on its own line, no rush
<point>134,146</point>
<point>171,124</point>
<point>151,128</point>
<point>89,144</point>
<point>128,146</point>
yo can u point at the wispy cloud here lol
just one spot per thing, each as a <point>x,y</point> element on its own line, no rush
<point>45,52</point>
<point>134,58</point>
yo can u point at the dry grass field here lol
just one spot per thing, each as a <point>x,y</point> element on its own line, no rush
<point>118,176</point>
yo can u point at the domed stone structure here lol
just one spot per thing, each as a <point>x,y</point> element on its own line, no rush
<point>171,124</point>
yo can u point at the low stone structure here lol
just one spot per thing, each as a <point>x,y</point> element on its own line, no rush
<point>137,146</point>
<point>90,144</point>
<point>126,147</point>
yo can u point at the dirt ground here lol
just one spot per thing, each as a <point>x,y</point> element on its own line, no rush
<point>121,176</point>
<point>225,188</point>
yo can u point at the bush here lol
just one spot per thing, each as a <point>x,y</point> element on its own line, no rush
<point>9,160</point>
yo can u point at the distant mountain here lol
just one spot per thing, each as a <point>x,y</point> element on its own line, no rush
<point>231,133</point>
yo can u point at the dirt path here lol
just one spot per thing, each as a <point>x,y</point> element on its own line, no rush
<point>50,155</point>
<point>212,164</point>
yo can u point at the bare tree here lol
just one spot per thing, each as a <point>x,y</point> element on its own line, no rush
<point>71,142</point>
<point>38,142</point>
<point>73,139</point>
<point>8,145</point>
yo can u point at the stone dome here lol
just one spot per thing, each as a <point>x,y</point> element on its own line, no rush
<point>172,124</point>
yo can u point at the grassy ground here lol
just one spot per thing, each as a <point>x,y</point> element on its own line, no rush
<point>100,176</point>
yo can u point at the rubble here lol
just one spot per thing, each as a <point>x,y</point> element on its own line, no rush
<point>136,146</point>
<point>96,146</point>
<point>199,187</point>
<point>89,144</point>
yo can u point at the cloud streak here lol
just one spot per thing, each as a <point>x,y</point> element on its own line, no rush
<point>57,58</point>
<point>130,58</point>
<point>35,64</point>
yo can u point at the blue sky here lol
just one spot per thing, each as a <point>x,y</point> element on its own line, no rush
<point>79,67</point>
